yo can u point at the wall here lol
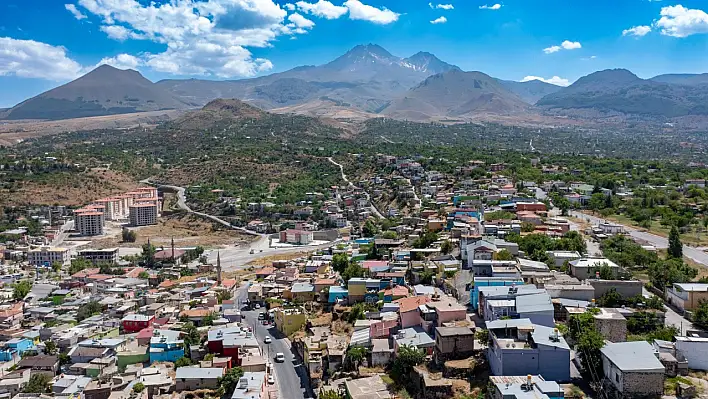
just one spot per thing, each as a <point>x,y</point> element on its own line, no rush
<point>191,385</point>
<point>644,384</point>
<point>613,330</point>
<point>380,358</point>
<point>410,319</point>
<point>455,344</point>
<point>627,289</point>
<point>325,235</point>
<point>166,356</point>
<point>543,318</point>
<point>126,358</point>
<point>696,352</point>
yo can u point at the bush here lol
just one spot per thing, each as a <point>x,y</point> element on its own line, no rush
<point>139,387</point>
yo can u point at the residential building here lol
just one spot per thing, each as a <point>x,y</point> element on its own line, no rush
<point>135,322</point>
<point>11,315</point>
<point>47,256</point>
<point>633,369</point>
<point>165,346</point>
<point>560,257</point>
<point>415,337</point>
<point>15,348</point>
<point>143,214</point>
<point>585,268</point>
<point>480,282</point>
<point>611,324</point>
<point>381,352</point>
<point>524,387</point>
<point>287,321</point>
<point>700,183</point>
<point>109,255</point>
<point>252,385</point>
<point>44,364</point>
<point>303,292</point>
<point>298,237</point>
<point>695,350</point>
<point>366,388</point>
<point>687,296</point>
<point>409,311</point>
<point>519,347</point>
<point>454,342</point>
<point>193,378</point>
<point>89,222</point>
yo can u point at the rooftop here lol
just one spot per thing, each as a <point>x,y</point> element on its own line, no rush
<point>196,372</point>
<point>633,356</point>
<point>367,388</point>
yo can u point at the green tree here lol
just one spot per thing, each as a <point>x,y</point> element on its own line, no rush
<point>390,235</point>
<point>369,229</point>
<point>605,272</point>
<point>700,315</point>
<point>356,354</point>
<point>340,262</point>
<point>183,361</point>
<point>129,235</point>
<point>78,265</point>
<point>38,383</point>
<point>21,290</point>
<point>446,247</point>
<point>353,270</point>
<point>191,336</point>
<point>56,267</point>
<point>88,309</point>
<point>610,299</point>
<point>148,254</point>
<point>527,227</point>
<point>426,277</point>
<point>144,275</point>
<point>588,347</point>
<point>50,347</point>
<point>208,320</point>
<point>229,381</point>
<point>482,336</point>
<point>407,358</point>
<point>223,295</point>
<point>675,247</point>
<point>330,394</point>
<point>357,312</point>
<point>138,387</point>
<point>504,254</point>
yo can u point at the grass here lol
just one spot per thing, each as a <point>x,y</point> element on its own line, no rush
<point>657,228</point>
<point>670,384</point>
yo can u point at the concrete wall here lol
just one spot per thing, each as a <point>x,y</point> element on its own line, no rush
<point>627,289</point>
<point>551,363</point>
<point>613,330</point>
<point>695,351</point>
<point>326,235</point>
<point>634,384</point>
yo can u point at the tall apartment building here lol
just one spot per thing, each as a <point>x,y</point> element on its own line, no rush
<point>115,208</point>
<point>48,256</point>
<point>89,222</point>
<point>143,214</point>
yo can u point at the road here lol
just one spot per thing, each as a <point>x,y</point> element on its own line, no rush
<point>290,376</point>
<point>658,241</point>
<point>368,197</point>
<point>62,233</point>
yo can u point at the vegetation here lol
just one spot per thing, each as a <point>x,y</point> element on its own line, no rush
<point>675,247</point>
<point>229,381</point>
<point>191,336</point>
<point>446,247</point>
<point>128,235</point>
<point>143,275</point>
<point>581,329</point>
<point>700,315</point>
<point>21,289</point>
<point>138,387</point>
<point>356,354</point>
<point>536,245</point>
<point>183,362</point>
<point>407,358</point>
<point>329,394</point>
<point>38,383</point>
<point>88,309</point>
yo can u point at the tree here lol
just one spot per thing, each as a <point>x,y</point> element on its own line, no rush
<point>446,247</point>
<point>675,247</point>
<point>183,362</point>
<point>700,315</point>
<point>230,380</point>
<point>527,227</point>
<point>129,235</point>
<point>426,277</point>
<point>38,383</point>
<point>407,358</point>
<point>356,355</point>
<point>482,336</point>
<point>330,394</point>
<point>610,299</point>
<point>340,262</point>
<point>191,336</point>
<point>504,254</point>
<point>589,345</point>
<point>605,272</point>
<point>357,312</point>
<point>369,229</point>
<point>144,275</point>
<point>208,320</point>
<point>21,290</point>
<point>50,347</point>
<point>148,254</point>
<point>56,266</point>
<point>222,296</point>
<point>78,265</point>
<point>88,309</point>
<point>138,387</point>
<point>390,235</point>
<point>353,270</point>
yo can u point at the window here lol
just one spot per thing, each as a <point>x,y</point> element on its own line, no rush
<point>617,377</point>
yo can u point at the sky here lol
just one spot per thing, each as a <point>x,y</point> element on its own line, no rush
<point>45,43</point>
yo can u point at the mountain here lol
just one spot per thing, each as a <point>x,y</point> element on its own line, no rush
<point>620,92</point>
<point>682,79</point>
<point>530,91</point>
<point>218,113</point>
<point>103,91</point>
<point>456,94</point>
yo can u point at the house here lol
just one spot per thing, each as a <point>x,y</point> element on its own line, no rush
<point>415,337</point>
<point>298,237</point>
<point>687,296</point>
<point>11,315</point>
<point>585,268</point>
<point>84,354</point>
<point>519,347</point>
<point>12,383</point>
<point>524,387</point>
<point>337,293</point>
<point>252,385</point>
<point>409,312</point>
<point>44,364</point>
<point>303,292</point>
<point>633,369</point>
<point>134,322</point>
<point>447,310</point>
<point>391,294</point>
<point>695,350</point>
<point>193,378</point>
<point>16,348</point>
<point>560,257</point>
<point>611,324</point>
<point>454,342</point>
<point>381,352</point>
<point>480,282</point>
<point>196,316</point>
<point>366,388</point>
<point>479,250</point>
<point>287,321</point>
<point>165,346</point>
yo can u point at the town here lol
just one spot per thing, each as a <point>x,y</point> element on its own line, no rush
<point>404,282</point>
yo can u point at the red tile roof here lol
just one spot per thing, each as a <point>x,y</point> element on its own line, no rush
<point>408,304</point>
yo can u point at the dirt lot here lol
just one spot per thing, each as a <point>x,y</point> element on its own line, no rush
<point>69,189</point>
<point>187,231</point>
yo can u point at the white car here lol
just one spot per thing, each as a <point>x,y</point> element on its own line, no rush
<point>271,380</point>
<point>279,357</point>
<point>258,306</point>
<point>267,340</point>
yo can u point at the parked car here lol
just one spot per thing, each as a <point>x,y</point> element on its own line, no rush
<point>279,357</point>
<point>271,380</point>
<point>267,340</point>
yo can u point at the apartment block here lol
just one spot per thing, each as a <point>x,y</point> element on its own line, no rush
<point>89,222</point>
<point>143,214</point>
<point>48,256</point>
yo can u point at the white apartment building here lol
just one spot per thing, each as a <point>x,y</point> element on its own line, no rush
<point>143,214</point>
<point>109,255</point>
<point>89,222</point>
<point>48,256</point>
<point>115,208</point>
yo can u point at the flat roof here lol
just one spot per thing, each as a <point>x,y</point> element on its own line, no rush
<point>197,372</point>
<point>632,356</point>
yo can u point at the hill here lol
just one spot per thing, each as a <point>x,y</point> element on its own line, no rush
<point>682,79</point>
<point>103,91</point>
<point>620,92</point>
<point>530,91</point>
<point>456,94</point>
<point>217,113</point>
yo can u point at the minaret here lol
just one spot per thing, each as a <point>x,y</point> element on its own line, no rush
<point>218,268</point>
<point>173,249</point>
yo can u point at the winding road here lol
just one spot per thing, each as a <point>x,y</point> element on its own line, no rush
<point>368,197</point>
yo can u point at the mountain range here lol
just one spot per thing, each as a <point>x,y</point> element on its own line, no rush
<point>368,81</point>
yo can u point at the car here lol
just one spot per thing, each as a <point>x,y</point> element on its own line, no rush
<point>261,316</point>
<point>271,380</point>
<point>279,357</point>
<point>258,306</point>
<point>267,340</point>
<point>252,251</point>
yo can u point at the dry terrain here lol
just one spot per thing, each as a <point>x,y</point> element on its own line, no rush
<point>71,189</point>
<point>13,132</point>
<point>187,230</point>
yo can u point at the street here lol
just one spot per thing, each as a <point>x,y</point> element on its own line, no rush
<point>290,375</point>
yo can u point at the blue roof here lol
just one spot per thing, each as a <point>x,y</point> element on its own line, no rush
<point>338,290</point>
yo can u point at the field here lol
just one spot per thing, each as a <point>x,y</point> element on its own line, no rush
<point>661,230</point>
<point>187,230</point>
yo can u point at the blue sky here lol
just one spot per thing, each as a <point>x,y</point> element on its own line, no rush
<point>44,43</point>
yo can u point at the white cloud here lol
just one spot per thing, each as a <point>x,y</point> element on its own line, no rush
<point>440,20</point>
<point>120,33</point>
<point>300,21</point>
<point>32,59</point>
<point>441,6</point>
<point>361,11</point>
<point>638,31</point>
<point>556,80</point>
<point>289,6</point>
<point>122,61</point>
<point>322,9</point>
<point>679,21</point>
<point>566,45</point>
<point>75,11</point>
<point>492,7</point>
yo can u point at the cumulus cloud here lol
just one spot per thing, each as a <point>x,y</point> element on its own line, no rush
<point>322,9</point>
<point>440,20</point>
<point>120,33</point>
<point>32,59</point>
<point>289,6</point>
<point>492,7</point>
<point>638,31</point>
<point>441,6</point>
<point>365,12</point>
<point>75,11</point>
<point>679,21</point>
<point>300,21</point>
<point>121,61</point>
<point>556,80</point>
<point>566,45</point>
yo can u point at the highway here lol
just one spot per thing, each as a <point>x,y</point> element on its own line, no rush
<point>653,239</point>
<point>290,376</point>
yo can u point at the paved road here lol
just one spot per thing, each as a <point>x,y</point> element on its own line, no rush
<point>290,376</point>
<point>368,197</point>
<point>62,233</point>
<point>673,318</point>
<point>653,239</point>
<point>234,258</point>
